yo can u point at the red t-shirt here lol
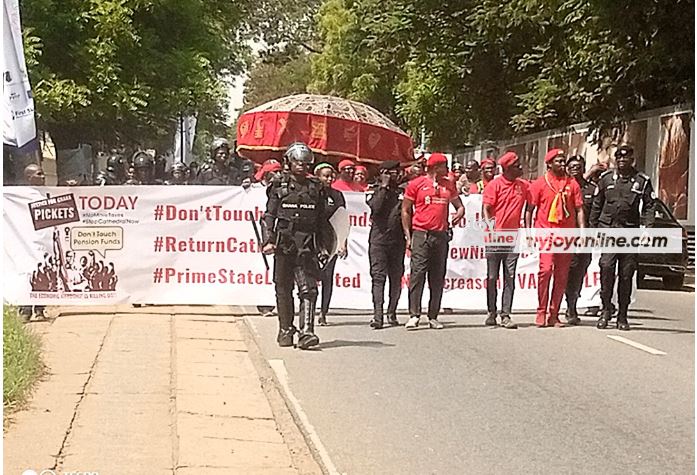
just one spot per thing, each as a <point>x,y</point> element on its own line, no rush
<point>508,199</point>
<point>431,203</point>
<point>342,185</point>
<point>542,195</point>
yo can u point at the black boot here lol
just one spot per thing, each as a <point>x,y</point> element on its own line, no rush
<point>286,314</point>
<point>622,323</point>
<point>308,338</point>
<point>572,315</point>
<point>605,317</point>
<point>392,320</point>
<point>377,320</point>
<point>285,337</point>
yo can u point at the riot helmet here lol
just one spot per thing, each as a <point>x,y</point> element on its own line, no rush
<point>219,143</point>
<point>142,160</point>
<point>299,152</point>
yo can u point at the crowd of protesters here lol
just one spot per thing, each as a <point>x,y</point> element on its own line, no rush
<point>410,214</point>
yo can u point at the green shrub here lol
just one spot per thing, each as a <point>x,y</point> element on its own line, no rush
<point>21,355</point>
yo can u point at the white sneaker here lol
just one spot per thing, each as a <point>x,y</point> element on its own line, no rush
<point>412,324</point>
<point>435,324</point>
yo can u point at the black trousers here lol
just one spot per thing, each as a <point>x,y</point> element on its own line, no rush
<point>327,279</point>
<point>386,262</point>
<point>494,261</point>
<point>290,270</point>
<point>624,265</point>
<point>429,255</point>
<point>577,271</point>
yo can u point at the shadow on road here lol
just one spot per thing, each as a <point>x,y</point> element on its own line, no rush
<point>358,343</point>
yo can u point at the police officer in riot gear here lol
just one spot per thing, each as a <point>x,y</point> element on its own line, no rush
<point>143,166</point>
<point>115,173</point>
<point>178,174</point>
<point>294,223</point>
<point>616,204</point>
<point>215,170</point>
<point>386,243</point>
<point>575,167</point>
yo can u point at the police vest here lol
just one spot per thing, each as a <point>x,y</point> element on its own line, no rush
<point>299,205</point>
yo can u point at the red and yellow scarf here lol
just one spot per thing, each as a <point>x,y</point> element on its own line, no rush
<point>558,212</point>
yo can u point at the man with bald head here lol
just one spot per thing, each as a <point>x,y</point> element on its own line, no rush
<point>34,175</point>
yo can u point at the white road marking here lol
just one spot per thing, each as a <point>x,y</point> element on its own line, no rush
<point>279,368</point>
<point>636,345</point>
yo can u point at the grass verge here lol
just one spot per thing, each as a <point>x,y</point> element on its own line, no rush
<point>21,356</point>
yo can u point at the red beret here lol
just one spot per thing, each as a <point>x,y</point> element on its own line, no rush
<point>552,154</point>
<point>488,161</point>
<point>436,159</point>
<point>270,165</point>
<point>508,159</point>
<point>346,163</point>
<point>361,167</point>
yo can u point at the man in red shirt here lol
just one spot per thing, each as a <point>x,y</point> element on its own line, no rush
<point>503,201</point>
<point>344,182</point>
<point>559,203</point>
<point>426,228</point>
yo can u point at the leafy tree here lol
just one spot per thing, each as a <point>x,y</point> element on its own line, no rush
<point>122,70</point>
<point>477,70</point>
<point>275,75</point>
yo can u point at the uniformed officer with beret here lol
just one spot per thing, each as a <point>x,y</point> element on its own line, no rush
<point>618,198</point>
<point>386,242</point>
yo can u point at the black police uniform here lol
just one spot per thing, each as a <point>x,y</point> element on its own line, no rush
<point>386,248</point>
<point>213,174</point>
<point>616,205</point>
<point>335,200</point>
<point>579,262</point>
<point>240,169</point>
<point>294,221</point>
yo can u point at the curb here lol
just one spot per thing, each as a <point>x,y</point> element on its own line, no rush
<point>303,453</point>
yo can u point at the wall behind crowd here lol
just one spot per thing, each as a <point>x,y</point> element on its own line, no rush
<point>662,140</point>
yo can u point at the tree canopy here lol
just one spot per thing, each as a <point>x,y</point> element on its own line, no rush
<point>484,69</point>
<point>124,69</point>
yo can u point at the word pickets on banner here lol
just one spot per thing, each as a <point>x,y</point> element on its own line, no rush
<point>197,245</point>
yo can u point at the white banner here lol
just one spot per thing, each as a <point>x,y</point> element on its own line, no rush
<point>18,110</point>
<point>196,245</point>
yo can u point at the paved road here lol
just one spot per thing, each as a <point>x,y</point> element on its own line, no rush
<point>472,399</point>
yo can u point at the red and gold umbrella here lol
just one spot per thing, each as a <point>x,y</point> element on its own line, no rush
<point>333,127</point>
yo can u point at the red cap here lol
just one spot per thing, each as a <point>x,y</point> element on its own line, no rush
<point>507,159</point>
<point>436,159</point>
<point>488,161</point>
<point>552,154</point>
<point>346,163</point>
<point>361,167</point>
<point>270,165</point>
